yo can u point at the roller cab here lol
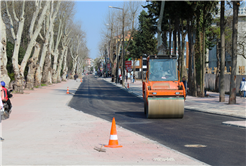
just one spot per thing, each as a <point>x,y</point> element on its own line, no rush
<point>163,93</point>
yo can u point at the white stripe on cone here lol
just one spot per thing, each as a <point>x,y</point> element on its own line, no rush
<point>113,137</point>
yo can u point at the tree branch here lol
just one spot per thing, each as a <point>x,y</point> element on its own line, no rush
<point>11,22</point>
<point>16,19</point>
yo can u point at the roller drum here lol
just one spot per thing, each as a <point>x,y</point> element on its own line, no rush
<point>171,107</point>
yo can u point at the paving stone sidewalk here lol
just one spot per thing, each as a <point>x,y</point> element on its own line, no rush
<point>208,104</point>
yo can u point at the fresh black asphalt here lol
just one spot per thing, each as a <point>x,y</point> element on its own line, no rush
<point>225,145</point>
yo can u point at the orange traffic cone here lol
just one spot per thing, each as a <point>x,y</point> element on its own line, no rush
<point>127,85</point>
<point>113,139</point>
<point>67,90</point>
<point>81,80</point>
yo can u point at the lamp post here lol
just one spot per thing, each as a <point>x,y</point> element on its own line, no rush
<point>123,51</point>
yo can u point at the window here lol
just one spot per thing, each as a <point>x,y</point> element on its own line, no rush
<point>163,70</point>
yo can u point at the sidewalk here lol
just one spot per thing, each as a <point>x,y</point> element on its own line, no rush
<point>209,104</point>
<point>43,130</point>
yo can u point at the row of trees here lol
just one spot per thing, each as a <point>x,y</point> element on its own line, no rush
<point>36,39</point>
<point>194,18</point>
<point>112,35</point>
<point>174,21</point>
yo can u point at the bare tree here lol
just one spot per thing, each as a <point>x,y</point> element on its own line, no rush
<point>33,34</point>
<point>17,39</point>
<point>74,47</point>
<point>55,52</point>
<point>3,61</point>
<point>47,75</point>
<point>45,70</point>
<point>66,14</point>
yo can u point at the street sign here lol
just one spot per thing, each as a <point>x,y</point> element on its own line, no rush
<point>128,65</point>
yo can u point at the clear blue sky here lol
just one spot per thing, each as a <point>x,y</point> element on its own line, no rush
<point>92,14</point>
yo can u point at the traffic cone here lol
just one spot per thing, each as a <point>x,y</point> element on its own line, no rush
<point>81,80</point>
<point>127,85</point>
<point>113,139</point>
<point>67,90</point>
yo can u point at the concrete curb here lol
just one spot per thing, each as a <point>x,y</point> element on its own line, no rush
<point>213,112</point>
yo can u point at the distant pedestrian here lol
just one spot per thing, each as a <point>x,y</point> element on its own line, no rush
<point>133,78</point>
<point>120,79</point>
<point>243,87</point>
<point>126,78</point>
<point>75,76</point>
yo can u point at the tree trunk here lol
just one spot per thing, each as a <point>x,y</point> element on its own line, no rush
<point>46,57</point>
<point>46,78</point>
<point>175,37</point>
<point>164,42</point>
<point>203,62</point>
<point>183,68</point>
<point>170,38</point>
<point>159,31</point>
<point>232,98</point>
<point>33,37</point>
<point>65,68</point>
<point>190,30</point>
<point>58,75</point>
<point>56,53</point>
<point>196,37</point>
<point>3,62</point>
<point>54,69</point>
<point>222,62</point>
<point>18,85</point>
<point>218,66</point>
<point>32,67</point>
<point>179,50</point>
<point>39,71</point>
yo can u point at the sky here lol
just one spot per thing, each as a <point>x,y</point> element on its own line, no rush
<point>93,14</point>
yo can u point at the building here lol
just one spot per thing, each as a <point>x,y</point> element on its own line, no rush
<point>88,62</point>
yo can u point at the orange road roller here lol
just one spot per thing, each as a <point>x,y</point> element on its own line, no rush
<point>163,93</point>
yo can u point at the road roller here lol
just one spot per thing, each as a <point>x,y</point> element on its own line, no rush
<point>163,92</point>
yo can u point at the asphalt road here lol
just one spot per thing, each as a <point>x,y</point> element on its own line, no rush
<point>225,145</point>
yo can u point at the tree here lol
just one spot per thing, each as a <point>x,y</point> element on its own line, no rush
<point>159,30</point>
<point>45,61</point>
<point>144,41</point>
<point>3,54</point>
<point>232,97</point>
<point>33,34</point>
<point>17,38</point>
<point>222,61</point>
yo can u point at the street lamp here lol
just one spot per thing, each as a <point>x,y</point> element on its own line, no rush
<point>123,51</point>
